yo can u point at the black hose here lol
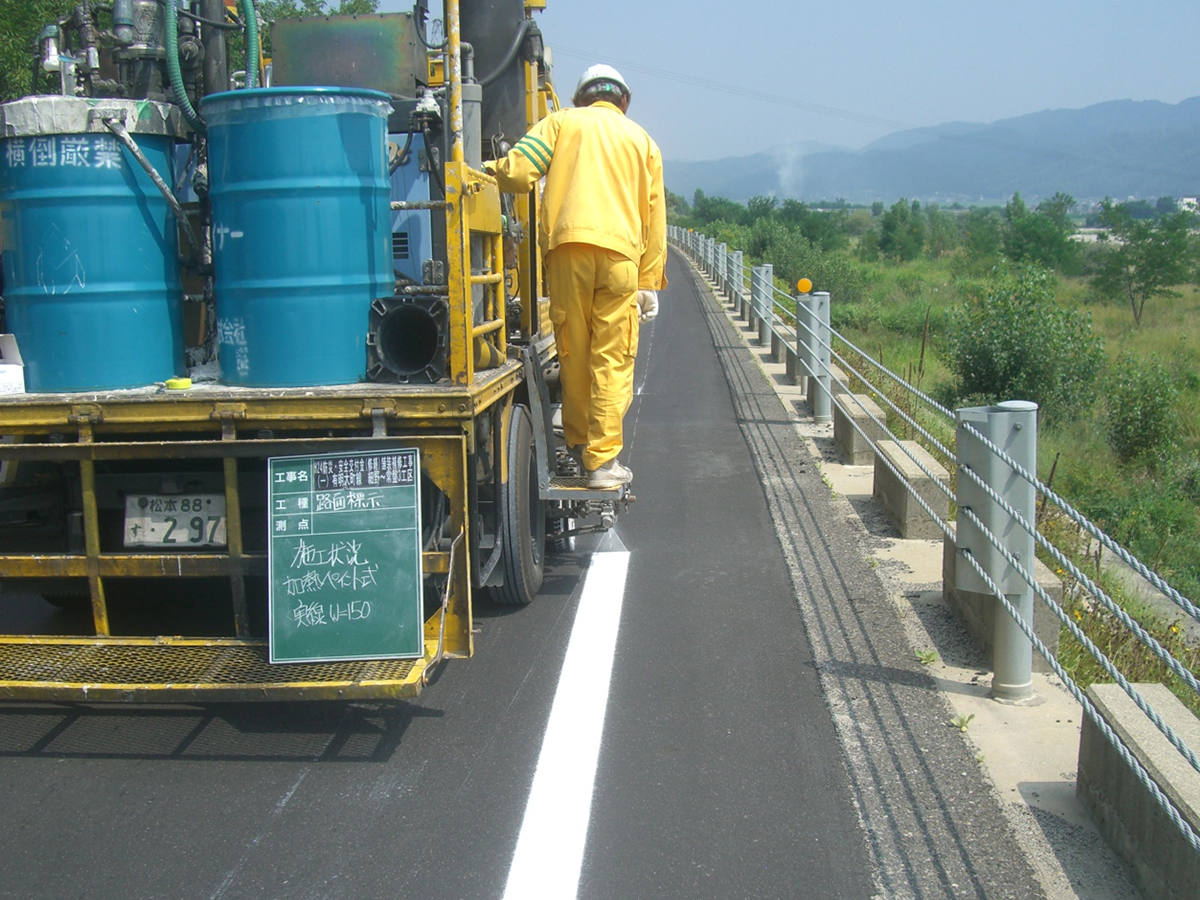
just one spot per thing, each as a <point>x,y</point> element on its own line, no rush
<point>224,26</point>
<point>434,164</point>
<point>510,55</point>
<point>420,14</point>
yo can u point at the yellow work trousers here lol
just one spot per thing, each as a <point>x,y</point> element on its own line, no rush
<point>593,305</point>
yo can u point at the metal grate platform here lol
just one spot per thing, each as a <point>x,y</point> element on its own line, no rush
<point>190,670</point>
<point>575,487</point>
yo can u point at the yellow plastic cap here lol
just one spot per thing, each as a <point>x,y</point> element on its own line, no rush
<point>804,286</point>
<point>178,384</point>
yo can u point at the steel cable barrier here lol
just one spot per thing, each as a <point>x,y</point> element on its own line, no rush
<point>1002,533</point>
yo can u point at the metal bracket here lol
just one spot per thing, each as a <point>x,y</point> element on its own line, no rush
<point>543,419</point>
<point>228,411</point>
<point>86,415</point>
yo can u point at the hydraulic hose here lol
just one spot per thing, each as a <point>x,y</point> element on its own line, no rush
<point>174,72</point>
<point>250,15</point>
<point>509,55</point>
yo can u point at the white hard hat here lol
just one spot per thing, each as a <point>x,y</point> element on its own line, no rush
<point>594,75</point>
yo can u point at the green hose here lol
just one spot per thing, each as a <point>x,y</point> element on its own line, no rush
<point>174,73</point>
<point>252,49</point>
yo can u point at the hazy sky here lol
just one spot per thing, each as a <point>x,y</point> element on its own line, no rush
<point>714,78</point>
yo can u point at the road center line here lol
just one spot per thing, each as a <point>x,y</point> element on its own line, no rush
<point>549,854</point>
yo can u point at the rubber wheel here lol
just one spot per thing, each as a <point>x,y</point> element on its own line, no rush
<point>522,518</point>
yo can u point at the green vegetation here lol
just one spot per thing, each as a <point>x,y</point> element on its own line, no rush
<point>979,305</point>
<point>21,21</point>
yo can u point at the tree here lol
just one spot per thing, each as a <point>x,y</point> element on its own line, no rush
<point>1017,342</point>
<point>677,207</point>
<point>21,21</point>
<point>706,210</point>
<point>1165,206</point>
<point>1144,258</point>
<point>759,208</point>
<point>824,229</point>
<point>902,231</point>
<point>984,234</point>
<point>291,9</point>
<point>1041,237</point>
<point>296,9</point>
<point>944,235</point>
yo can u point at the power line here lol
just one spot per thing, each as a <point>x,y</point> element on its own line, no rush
<point>896,125</point>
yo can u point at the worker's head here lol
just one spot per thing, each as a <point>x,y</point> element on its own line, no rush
<point>601,82</point>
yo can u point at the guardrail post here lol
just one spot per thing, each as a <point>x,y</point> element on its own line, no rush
<point>710,256</point>
<point>761,281</point>
<point>720,278</point>
<point>1011,426</point>
<point>739,283</point>
<point>765,305</point>
<point>805,326</point>
<point>730,296</point>
<point>821,382</point>
<point>752,298</point>
<point>792,354</point>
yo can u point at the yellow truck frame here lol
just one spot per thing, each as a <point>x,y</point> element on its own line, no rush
<point>506,405</point>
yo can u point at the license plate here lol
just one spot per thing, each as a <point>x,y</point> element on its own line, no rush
<point>175,520</point>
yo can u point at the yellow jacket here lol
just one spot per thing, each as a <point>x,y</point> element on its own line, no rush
<point>604,185</point>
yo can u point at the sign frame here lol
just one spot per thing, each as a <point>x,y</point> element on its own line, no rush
<point>344,556</point>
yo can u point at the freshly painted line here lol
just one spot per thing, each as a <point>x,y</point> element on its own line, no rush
<point>549,854</point>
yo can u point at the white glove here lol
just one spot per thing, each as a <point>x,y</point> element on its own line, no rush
<point>647,305</point>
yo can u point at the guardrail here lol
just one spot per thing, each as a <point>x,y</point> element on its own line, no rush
<point>992,546</point>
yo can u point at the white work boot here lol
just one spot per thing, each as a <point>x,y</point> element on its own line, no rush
<point>609,475</point>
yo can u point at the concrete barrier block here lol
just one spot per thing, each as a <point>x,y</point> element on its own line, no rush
<point>1163,862</point>
<point>893,494</point>
<point>977,611</point>
<point>857,409</point>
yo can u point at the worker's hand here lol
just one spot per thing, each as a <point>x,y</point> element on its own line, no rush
<point>647,305</point>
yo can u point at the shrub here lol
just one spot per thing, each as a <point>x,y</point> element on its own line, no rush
<point>910,318</point>
<point>852,316</point>
<point>1140,418</point>
<point>1016,342</point>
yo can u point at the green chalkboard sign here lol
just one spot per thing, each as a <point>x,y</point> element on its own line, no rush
<point>345,557</point>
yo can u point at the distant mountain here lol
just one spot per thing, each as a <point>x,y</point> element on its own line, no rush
<point>773,172</point>
<point>1121,149</point>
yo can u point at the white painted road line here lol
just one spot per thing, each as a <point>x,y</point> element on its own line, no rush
<point>549,854</point>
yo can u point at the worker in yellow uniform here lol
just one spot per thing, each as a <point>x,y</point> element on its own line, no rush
<point>604,239</point>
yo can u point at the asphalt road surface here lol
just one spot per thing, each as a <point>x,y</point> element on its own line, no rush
<point>713,701</point>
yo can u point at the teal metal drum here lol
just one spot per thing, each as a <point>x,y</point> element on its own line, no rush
<point>302,236</point>
<point>90,247</point>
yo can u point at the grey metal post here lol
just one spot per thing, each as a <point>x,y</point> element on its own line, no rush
<point>791,354</point>
<point>1011,426</point>
<point>805,326</point>
<point>739,281</point>
<point>712,252</point>
<point>720,276</point>
<point>761,280</point>
<point>821,398</point>
<point>755,290</point>
<point>765,304</point>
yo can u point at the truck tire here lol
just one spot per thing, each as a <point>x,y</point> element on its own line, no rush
<point>522,518</point>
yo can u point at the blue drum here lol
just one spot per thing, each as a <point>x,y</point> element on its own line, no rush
<point>92,286</point>
<point>302,239</point>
